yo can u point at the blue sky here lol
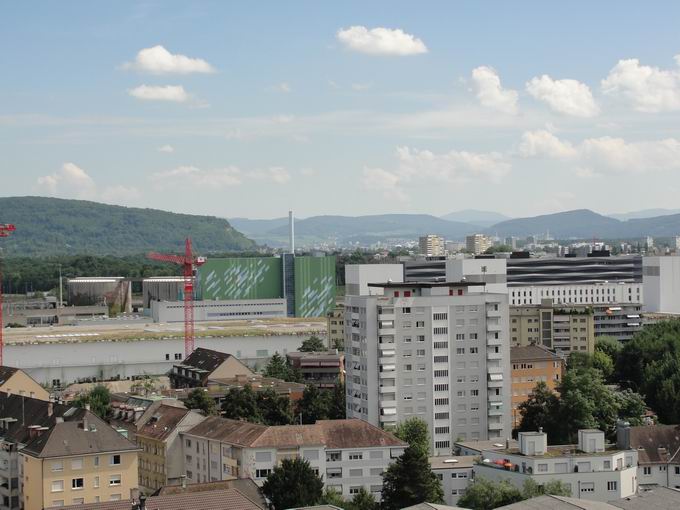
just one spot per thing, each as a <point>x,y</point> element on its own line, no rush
<point>251,108</point>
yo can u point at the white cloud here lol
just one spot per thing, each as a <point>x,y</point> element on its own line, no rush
<point>282,87</point>
<point>594,156</point>
<point>544,144</point>
<point>570,97</point>
<point>381,41</point>
<point>166,148</point>
<point>214,179</point>
<point>454,167</point>
<point>175,93</point>
<point>158,60</point>
<point>386,182</point>
<point>648,89</point>
<point>490,92</point>
<point>71,181</point>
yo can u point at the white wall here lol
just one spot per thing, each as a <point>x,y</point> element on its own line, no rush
<point>661,280</point>
<point>358,276</point>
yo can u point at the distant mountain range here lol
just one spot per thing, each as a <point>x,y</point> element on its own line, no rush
<point>52,226</point>
<point>365,230</point>
<point>644,213</point>
<point>475,217</point>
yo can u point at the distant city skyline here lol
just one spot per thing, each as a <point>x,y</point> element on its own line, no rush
<point>234,110</point>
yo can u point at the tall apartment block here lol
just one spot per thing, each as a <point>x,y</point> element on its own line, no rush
<point>477,243</point>
<point>435,350</point>
<point>432,245</point>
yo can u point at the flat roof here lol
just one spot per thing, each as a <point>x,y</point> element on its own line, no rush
<point>425,285</point>
<point>452,461</point>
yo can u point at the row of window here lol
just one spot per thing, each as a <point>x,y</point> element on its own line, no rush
<point>77,463</point>
<point>78,484</point>
<point>80,501</point>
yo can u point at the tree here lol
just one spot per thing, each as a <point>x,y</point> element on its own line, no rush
<point>632,406</point>
<point>486,495</point>
<point>274,409</point>
<point>538,410</point>
<point>337,403</point>
<point>241,404</point>
<point>332,497</point>
<point>98,399</point>
<point>199,399</point>
<point>313,405</point>
<point>531,489</point>
<point>409,480</point>
<point>414,432</point>
<point>277,367</point>
<point>604,364</point>
<point>312,344</point>
<point>293,484</point>
<point>363,500</point>
<point>608,345</point>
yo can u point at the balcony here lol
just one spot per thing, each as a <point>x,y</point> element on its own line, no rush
<point>386,317</point>
<point>388,389</point>
<point>495,411</point>
<point>490,312</point>
<point>495,426</point>
<point>493,326</point>
<point>388,404</point>
<point>390,360</point>
<point>494,384</point>
<point>492,340</point>
<point>493,355</point>
<point>387,374</point>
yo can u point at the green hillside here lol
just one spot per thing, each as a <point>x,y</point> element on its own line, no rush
<point>52,226</point>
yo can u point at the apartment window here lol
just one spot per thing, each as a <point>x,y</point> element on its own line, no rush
<point>58,486</point>
<point>78,501</point>
<point>114,497</point>
<point>542,468</point>
<point>441,416</point>
<point>408,396</point>
<point>460,323</point>
<point>441,387</point>
<point>421,367</point>
<point>57,466</point>
<point>77,464</point>
<point>441,401</point>
<point>441,430</point>
<point>440,316</point>
<point>460,336</point>
<point>440,331</point>
<point>442,444</point>
<point>611,486</point>
<point>356,473</point>
<point>57,502</point>
<point>441,373</point>
<point>96,482</point>
<point>114,480</point>
<point>356,456</point>
<point>460,350</point>
<point>406,310</point>
<point>474,350</point>
<point>407,339</point>
<point>607,464</point>
<point>460,379</point>
<point>420,324</point>
<point>677,470</point>
<point>647,470</point>
<point>461,475</point>
<point>96,461</point>
<point>473,336</point>
<point>440,345</point>
<point>421,338</point>
<point>262,473</point>
<point>460,393</point>
<point>420,352</point>
<point>115,460</point>
<point>263,456</point>
<point>77,484</point>
<point>474,393</point>
<point>354,489</point>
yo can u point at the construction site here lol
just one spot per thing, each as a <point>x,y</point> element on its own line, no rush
<point>251,307</point>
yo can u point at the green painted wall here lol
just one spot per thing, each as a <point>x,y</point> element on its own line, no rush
<point>241,278</point>
<point>314,286</point>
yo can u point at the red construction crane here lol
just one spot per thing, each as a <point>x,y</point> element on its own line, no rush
<point>188,263</point>
<point>5,230</point>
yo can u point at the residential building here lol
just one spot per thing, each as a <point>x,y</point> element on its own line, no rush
<point>219,387</point>
<point>130,411</point>
<point>13,380</point>
<point>336,326</point>
<point>435,350</point>
<point>20,418</point>
<point>432,245</point>
<point>161,461</point>
<point>358,276</point>
<point>532,364</point>
<point>232,499</point>
<point>563,329</point>
<point>591,469</point>
<point>477,243</point>
<point>348,454</point>
<point>659,498</point>
<point>455,474</point>
<point>80,459</point>
<point>323,369</point>
<point>658,448</point>
<point>204,364</point>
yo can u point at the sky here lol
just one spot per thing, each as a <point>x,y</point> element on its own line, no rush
<point>248,109</point>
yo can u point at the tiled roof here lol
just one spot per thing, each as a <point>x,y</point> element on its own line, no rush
<point>6,373</point>
<point>230,431</point>
<point>162,422</point>
<point>206,359</point>
<point>245,486</point>
<point>230,499</point>
<point>24,412</point>
<point>655,443</point>
<point>532,353</point>
<point>558,503</point>
<point>81,434</point>
<point>350,433</point>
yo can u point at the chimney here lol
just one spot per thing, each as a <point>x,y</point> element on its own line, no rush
<point>291,231</point>
<point>87,407</point>
<point>142,502</point>
<point>50,409</point>
<point>184,481</point>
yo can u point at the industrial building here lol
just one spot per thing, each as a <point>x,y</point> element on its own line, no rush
<point>114,292</point>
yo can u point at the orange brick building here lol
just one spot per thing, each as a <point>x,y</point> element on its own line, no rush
<point>530,365</point>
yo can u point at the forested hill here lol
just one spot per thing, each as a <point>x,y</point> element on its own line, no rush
<point>53,226</point>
